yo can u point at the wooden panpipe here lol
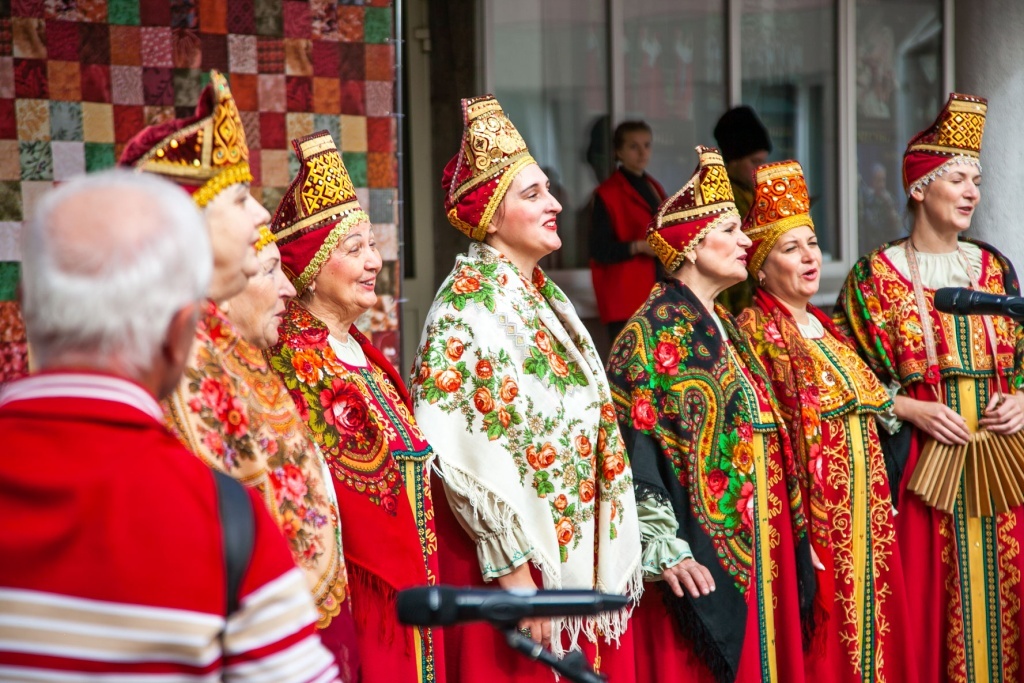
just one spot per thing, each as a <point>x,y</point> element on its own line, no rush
<point>993,465</point>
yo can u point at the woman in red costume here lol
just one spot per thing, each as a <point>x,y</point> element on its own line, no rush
<point>963,572</point>
<point>357,408</point>
<point>832,404</point>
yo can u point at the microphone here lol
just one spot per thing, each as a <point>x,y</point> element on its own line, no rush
<point>963,301</point>
<point>444,605</point>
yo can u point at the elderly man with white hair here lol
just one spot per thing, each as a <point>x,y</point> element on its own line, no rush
<point>114,555</point>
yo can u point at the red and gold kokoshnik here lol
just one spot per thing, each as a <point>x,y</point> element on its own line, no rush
<point>477,178</point>
<point>318,210</point>
<point>954,137</point>
<point>695,210</point>
<point>781,203</point>
<point>205,154</point>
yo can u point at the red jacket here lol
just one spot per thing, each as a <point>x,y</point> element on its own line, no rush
<point>620,288</point>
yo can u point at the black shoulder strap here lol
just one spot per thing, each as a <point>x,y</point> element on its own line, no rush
<point>238,531</point>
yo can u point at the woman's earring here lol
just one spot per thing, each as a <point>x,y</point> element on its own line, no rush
<point>760,281</point>
<point>691,256</point>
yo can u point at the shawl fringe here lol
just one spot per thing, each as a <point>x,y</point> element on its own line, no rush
<point>700,638</point>
<point>611,625</point>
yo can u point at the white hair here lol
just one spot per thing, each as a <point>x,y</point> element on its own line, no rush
<point>106,284</point>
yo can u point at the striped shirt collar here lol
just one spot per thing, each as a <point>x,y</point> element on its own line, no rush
<point>82,385</point>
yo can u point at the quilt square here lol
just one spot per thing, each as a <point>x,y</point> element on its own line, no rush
<point>353,98</point>
<point>33,117</point>
<point>297,125</point>
<point>126,85</point>
<point>251,125</point>
<point>123,12</point>
<point>355,162</point>
<point>272,130</point>
<point>29,37</point>
<point>274,168</point>
<point>215,51</point>
<point>30,80</point>
<point>213,17</point>
<point>380,63</point>
<point>330,123</point>
<point>65,80</point>
<point>7,77</point>
<point>28,8</point>
<point>62,40</point>
<point>380,169</point>
<point>242,54</point>
<point>188,85</point>
<point>68,159</point>
<point>245,88</point>
<point>66,121</point>
<point>157,46</point>
<point>187,49</point>
<point>154,12</point>
<point>10,160</point>
<point>377,24</point>
<point>95,83</point>
<point>98,122</point>
<point>128,120</point>
<point>353,57</point>
<point>10,200</point>
<point>326,59</point>
<point>297,57</point>
<point>350,24</point>
<point>94,43</point>
<point>353,133</point>
<point>380,134</point>
<point>126,45</point>
<point>299,93</point>
<point>8,120</point>
<point>297,22</point>
<point>6,37</point>
<point>270,55</point>
<point>323,18</point>
<point>272,92</point>
<point>380,98</point>
<point>98,156</point>
<point>184,14</point>
<point>158,86</point>
<point>326,96</point>
<point>241,17</point>
<point>269,19</point>
<point>32,191</point>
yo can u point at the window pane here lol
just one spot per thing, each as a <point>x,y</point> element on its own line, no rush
<point>899,92</point>
<point>788,64</point>
<point>674,55</point>
<point>549,70</point>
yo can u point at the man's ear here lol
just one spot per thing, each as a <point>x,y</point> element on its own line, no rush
<point>181,332</point>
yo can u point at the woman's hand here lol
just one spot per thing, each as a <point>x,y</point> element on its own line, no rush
<point>689,574</point>
<point>1006,417</point>
<point>539,627</point>
<point>642,247</point>
<point>937,420</point>
<point>815,561</point>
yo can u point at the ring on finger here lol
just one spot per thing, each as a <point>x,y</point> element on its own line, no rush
<point>526,632</point>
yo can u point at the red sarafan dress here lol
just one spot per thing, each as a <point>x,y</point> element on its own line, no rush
<point>963,574</point>
<point>358,411</point>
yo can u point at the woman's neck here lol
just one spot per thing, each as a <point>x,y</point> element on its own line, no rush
<point>337,323</point>
<point>928,240</point>
<point>798,310</point>
<point>705,290</point>
<point>523,263</point>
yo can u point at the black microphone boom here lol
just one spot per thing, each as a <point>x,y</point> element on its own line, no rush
<point>963,301</point>
<point>443,605</point>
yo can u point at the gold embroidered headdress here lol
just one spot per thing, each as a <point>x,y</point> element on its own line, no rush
<point>318,210</point>
<point>781,203</point>
<point>477,178</point>
<point>204,154</point>
<point>954,138</point>
<point>685,218</point>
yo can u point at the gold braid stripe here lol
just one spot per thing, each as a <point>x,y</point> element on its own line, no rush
<point>324,252</point>
<point>233,175</point>
<point>769,234</point>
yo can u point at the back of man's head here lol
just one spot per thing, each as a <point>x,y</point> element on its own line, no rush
<point>739,133</point>
<point>108,260</point>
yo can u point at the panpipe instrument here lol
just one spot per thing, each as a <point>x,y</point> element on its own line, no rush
<point>993,469</point>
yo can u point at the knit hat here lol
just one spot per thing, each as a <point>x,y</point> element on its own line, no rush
<point>696,209</point>
<point>477,178</point>
<point>954,138</point>
<point>205,154</point>
<point>780,204</point>
<point>318,209</point>
<point>740,132</point>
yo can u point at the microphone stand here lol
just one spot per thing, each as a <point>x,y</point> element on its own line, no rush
<point>573,666</point>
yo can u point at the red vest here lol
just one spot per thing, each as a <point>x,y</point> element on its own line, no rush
<point>620,288</point>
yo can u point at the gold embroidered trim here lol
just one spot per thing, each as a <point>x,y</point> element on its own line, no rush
<point>222,181</point>
<point>324,252</point>
<point>771,234</point>
<point>266,237</point>
<point>499,193</point>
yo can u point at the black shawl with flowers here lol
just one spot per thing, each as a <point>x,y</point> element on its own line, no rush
<point>688,431</point>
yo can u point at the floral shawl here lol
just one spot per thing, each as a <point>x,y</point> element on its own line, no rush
<point>237,416</point>
<point>688,427</point>
<point>509,389</point>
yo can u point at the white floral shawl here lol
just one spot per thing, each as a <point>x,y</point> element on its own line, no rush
<point>511,394</point>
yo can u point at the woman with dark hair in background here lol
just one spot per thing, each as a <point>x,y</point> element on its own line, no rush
<point>623,265</point>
